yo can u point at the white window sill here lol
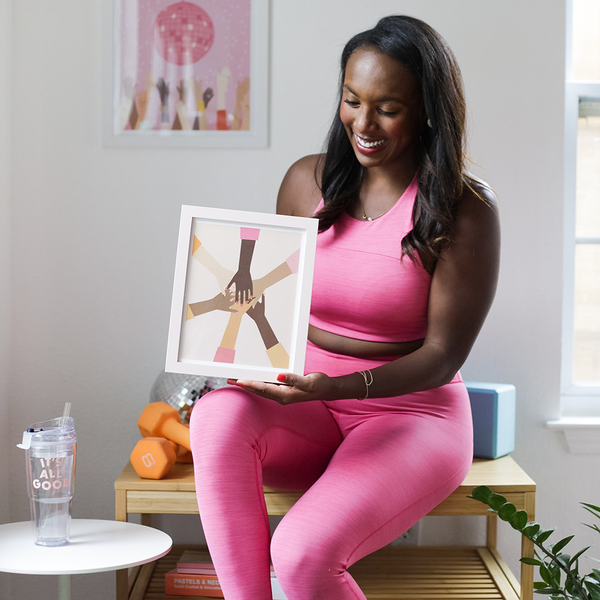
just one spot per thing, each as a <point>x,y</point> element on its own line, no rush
<point>582,433</point>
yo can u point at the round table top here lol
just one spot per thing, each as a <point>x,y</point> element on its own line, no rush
<point>93,546</point>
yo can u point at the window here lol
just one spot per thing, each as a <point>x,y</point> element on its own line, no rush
<point>581,322</point>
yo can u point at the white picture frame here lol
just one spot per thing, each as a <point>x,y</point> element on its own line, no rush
<point>217,327</point>
<point>126,82</point>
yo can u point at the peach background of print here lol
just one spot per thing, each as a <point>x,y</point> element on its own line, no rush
<point>201,336</point>
<point>224,70</point>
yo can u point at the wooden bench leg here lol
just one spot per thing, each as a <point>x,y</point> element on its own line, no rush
<point>527,550</point>
<point>491,537</point>
<point>526,570</point>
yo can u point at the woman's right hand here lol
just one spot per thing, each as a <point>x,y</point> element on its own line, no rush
<point>293,388</point>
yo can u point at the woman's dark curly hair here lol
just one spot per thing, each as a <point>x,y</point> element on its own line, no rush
<point>441,173</point>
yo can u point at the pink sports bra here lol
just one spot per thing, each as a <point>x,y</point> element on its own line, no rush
<point>362,289</point>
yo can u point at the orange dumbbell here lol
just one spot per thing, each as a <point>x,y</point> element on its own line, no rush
<point>153,457</point>
<point>183,455</point>
<point>159,419</point>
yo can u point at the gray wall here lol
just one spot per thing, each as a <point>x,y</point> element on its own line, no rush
<point>5,97</point>
<point>93,232</point>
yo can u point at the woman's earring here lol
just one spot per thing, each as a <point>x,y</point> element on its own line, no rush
<point>429,123</point>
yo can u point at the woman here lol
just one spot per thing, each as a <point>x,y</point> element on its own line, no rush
<point>379,430</point>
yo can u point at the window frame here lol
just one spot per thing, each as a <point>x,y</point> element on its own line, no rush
<point>576,400</point>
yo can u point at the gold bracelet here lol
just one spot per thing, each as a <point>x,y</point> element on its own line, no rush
<point>368,377</point>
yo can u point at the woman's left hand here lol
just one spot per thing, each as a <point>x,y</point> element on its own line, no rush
<point>293,388</point>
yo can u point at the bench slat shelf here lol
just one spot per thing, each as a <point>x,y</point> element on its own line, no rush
<point>391,574</point>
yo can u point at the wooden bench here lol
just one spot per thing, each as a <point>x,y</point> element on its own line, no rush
<point>407,573</point>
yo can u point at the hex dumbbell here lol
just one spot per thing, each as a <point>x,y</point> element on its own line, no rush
<point>183,454</point>
<point>153,457</point>
<point>159,419</point>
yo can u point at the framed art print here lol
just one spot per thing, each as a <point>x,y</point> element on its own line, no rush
<point>241,294</point>
<point>186,73</point>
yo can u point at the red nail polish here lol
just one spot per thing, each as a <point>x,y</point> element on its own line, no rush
<point>281,377</point>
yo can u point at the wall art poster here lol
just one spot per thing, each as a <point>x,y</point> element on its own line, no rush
<point>241,295</point>
<point>189,73</point>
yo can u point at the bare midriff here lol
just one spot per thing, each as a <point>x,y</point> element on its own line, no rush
<point>360,348</point>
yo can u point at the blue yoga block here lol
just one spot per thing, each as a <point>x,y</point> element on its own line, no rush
<point>493,408</point>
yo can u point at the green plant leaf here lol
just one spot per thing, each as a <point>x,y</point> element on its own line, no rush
<point>569,585</point>
<point>539,585</point>
<point>496,501</point>
<point>506,511</point>
<point>556,548</point>
<point>576,556</point>
<point>518,520</point>
<point>594,527</point>
<point>542,536</point>
<point>593,589</point>
<point>546,575</point>
<point>575,569</point>
<point>592,585</point>
<point>481,493</point>
<point>554,576</point>
<point>545,590</point>
<point>531,529</point>
<point>531,561</point>
<point>591,508</point>
<point>564,560</point>
<point>595,574</point>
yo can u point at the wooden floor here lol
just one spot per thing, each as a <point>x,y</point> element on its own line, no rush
<point>407,573</point>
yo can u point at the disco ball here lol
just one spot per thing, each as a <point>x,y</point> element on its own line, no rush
<point>183,33</point>
<point>181,391</point>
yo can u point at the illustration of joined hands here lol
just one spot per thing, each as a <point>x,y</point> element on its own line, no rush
<point>292,388</point>
<point>242,295</point>
<point>239,283</point>
<point>249,291</point>
<point>222,301</point>
<point>226,302</point>
<point>244,287</point>
<point>242,279</point>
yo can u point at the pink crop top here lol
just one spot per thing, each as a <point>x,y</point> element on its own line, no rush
<point>362,289</point>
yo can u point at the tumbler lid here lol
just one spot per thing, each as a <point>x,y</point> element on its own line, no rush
<point>59,430</point>
<point>26,443</point>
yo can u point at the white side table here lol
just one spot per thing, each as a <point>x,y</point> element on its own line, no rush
<point>94,546</point>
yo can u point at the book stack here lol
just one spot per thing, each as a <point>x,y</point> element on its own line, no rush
<point>194,575</point>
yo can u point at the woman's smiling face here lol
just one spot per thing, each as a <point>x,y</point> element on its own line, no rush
<point>382,109</point>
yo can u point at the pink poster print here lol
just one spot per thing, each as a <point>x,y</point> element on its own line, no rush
<point>184,66</point>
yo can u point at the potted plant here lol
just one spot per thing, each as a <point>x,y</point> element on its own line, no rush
<point>559,571</point>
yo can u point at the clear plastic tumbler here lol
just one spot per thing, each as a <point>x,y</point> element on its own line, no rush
<point>51,456</point>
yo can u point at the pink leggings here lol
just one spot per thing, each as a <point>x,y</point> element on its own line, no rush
<point>371,469</point>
